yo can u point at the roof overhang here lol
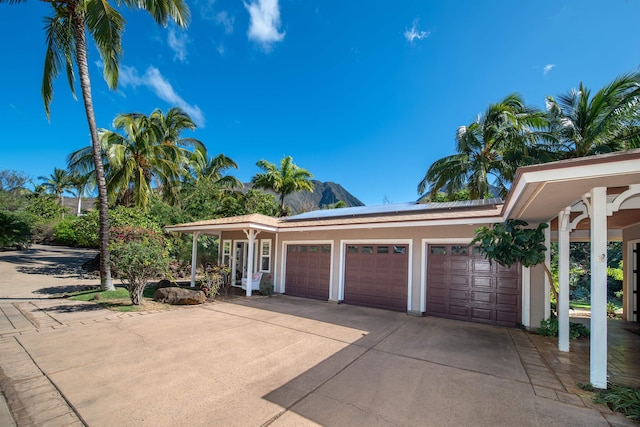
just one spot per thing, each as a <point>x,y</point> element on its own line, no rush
<point>540,192</point>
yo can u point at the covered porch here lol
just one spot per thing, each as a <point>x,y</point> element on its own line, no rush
<point>595,199</point>
<point>239,249</point>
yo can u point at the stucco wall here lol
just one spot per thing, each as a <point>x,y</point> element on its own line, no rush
<point>536,307</point>
<point>629,235</point>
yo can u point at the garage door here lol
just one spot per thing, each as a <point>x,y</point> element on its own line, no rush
<point>377,276</point>
<point>308,271</point>
<point>463,285</point>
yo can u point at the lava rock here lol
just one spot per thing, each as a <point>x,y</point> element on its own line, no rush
<point>179,296</point>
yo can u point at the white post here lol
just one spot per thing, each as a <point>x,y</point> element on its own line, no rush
<point>598,368</point>
<point>547,261</point>
<point>251,234</point>
<point>194,256</point>
<point>563,278</point>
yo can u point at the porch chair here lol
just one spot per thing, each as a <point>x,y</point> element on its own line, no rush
<point>255,282</point>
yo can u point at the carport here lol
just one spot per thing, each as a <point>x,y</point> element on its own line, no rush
<point>594,198</point>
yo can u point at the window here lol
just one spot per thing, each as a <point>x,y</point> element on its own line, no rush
<point>352,249</point>
<point>438,250</point>
<point>459,250</point>
<point>226,253</point>
<point>399,249</point>
<point>326,249</point>
<point>302,248</point>
<point>291,248</point>
<point>313,248</point>
<point>265,255</point>
<point>382,249</point>
<point>367,249</point>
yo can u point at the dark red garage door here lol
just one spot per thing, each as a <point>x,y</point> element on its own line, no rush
<point>308,271</point>
<point>377,276</point>
<point>463,285</point>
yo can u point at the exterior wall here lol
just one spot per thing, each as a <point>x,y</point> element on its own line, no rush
<point>629,234</point>
<point>536,300</point>
<point>239,235</point>
<point>414,236</point>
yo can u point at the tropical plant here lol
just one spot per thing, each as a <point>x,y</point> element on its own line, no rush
<point>66,33</point>
<point>82,184</point>
<point>57,183</point>
<point>510,242</point>
<point>139,254</point>
<point>494,145</point>
<point>15,232</point>
<point>607,121</point>
<point>148,152</point>
<point>285,180</point>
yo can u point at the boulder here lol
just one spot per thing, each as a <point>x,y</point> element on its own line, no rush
<point>179,296</point>
<point>164,283</point>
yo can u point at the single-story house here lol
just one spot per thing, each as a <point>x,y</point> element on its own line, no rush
<point>414,257</point>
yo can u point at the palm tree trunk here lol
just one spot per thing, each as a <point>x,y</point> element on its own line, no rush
<point>106,282</point>
<point>283,212</point>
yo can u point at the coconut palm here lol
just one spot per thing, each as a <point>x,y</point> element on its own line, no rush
<point>493,146</point>
<point>66,33</point>
<point>215,172</point>
<point>607,121</point>
<point>147,155</point>
<point>82,184</point>
<point>285,180</point>
<point>57,183</point>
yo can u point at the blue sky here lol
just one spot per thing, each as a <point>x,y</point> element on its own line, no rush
<point>366,94</point>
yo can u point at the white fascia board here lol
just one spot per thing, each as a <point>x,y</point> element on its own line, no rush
<point>569,173</point>
<point>406,224</point>
<point>221,227</point>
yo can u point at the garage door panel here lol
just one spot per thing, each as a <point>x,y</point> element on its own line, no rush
<point>376,276</point>
<point>308,271</point>
<point>462,284</point>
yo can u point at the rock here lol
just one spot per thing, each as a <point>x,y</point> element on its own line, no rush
<point>165,283</point>
<point>179,296</point>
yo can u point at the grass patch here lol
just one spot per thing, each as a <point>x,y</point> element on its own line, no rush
<point>580,304</point>
<point>618,398</point>
<point>119,300</point>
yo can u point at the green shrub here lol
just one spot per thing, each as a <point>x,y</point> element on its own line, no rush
<point>65,231</point>
<point>549,328</point>
<point>619,398</point>
<point>15,231</point>
<point>266,287</point>
<point>137,255</point>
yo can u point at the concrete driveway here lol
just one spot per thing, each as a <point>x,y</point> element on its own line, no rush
<point>277,361</point>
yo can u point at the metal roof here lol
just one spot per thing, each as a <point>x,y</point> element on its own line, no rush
<point>394,208</point>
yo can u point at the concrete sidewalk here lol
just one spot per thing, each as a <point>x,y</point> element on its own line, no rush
<point>281,361</point>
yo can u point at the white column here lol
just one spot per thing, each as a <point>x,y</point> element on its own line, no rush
<point>547,261</point>
<point>598,369</point>
<point>251,234</point>
<point>194,256</point>
<point>563,279</point>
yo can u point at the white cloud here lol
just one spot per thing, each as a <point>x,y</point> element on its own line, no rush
<point>178,43</point>
<point>152,79</point>
<point>223,18</point>
<point>265,22</point>
<point>414,33</point>
<point>547,68</point>
<point>219,48</point>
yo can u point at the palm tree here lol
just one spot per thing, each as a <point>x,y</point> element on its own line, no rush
<point>82,184</point>
<point>284,181</point>
<point>608,121</point>
<point>495,144</point>
<point>57,183</point>
<point>66,31</point>
<point>148,151</point>
<point>215,172</point>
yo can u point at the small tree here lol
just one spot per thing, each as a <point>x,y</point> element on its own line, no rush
<point>137,255</point>
<point>510,243</point>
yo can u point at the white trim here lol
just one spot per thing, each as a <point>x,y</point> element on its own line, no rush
<point>261,255</point>
<point>230,254</point>
<point>547,284</point>
<point>194,257</point>
<point>598,347</point>
<point>563,281</point>
<point>471,221</point>
<point>275,264</point>
<point>221,227</point>
<point>284,243</point>
<point>343,264</point>
<point>526,297</point>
